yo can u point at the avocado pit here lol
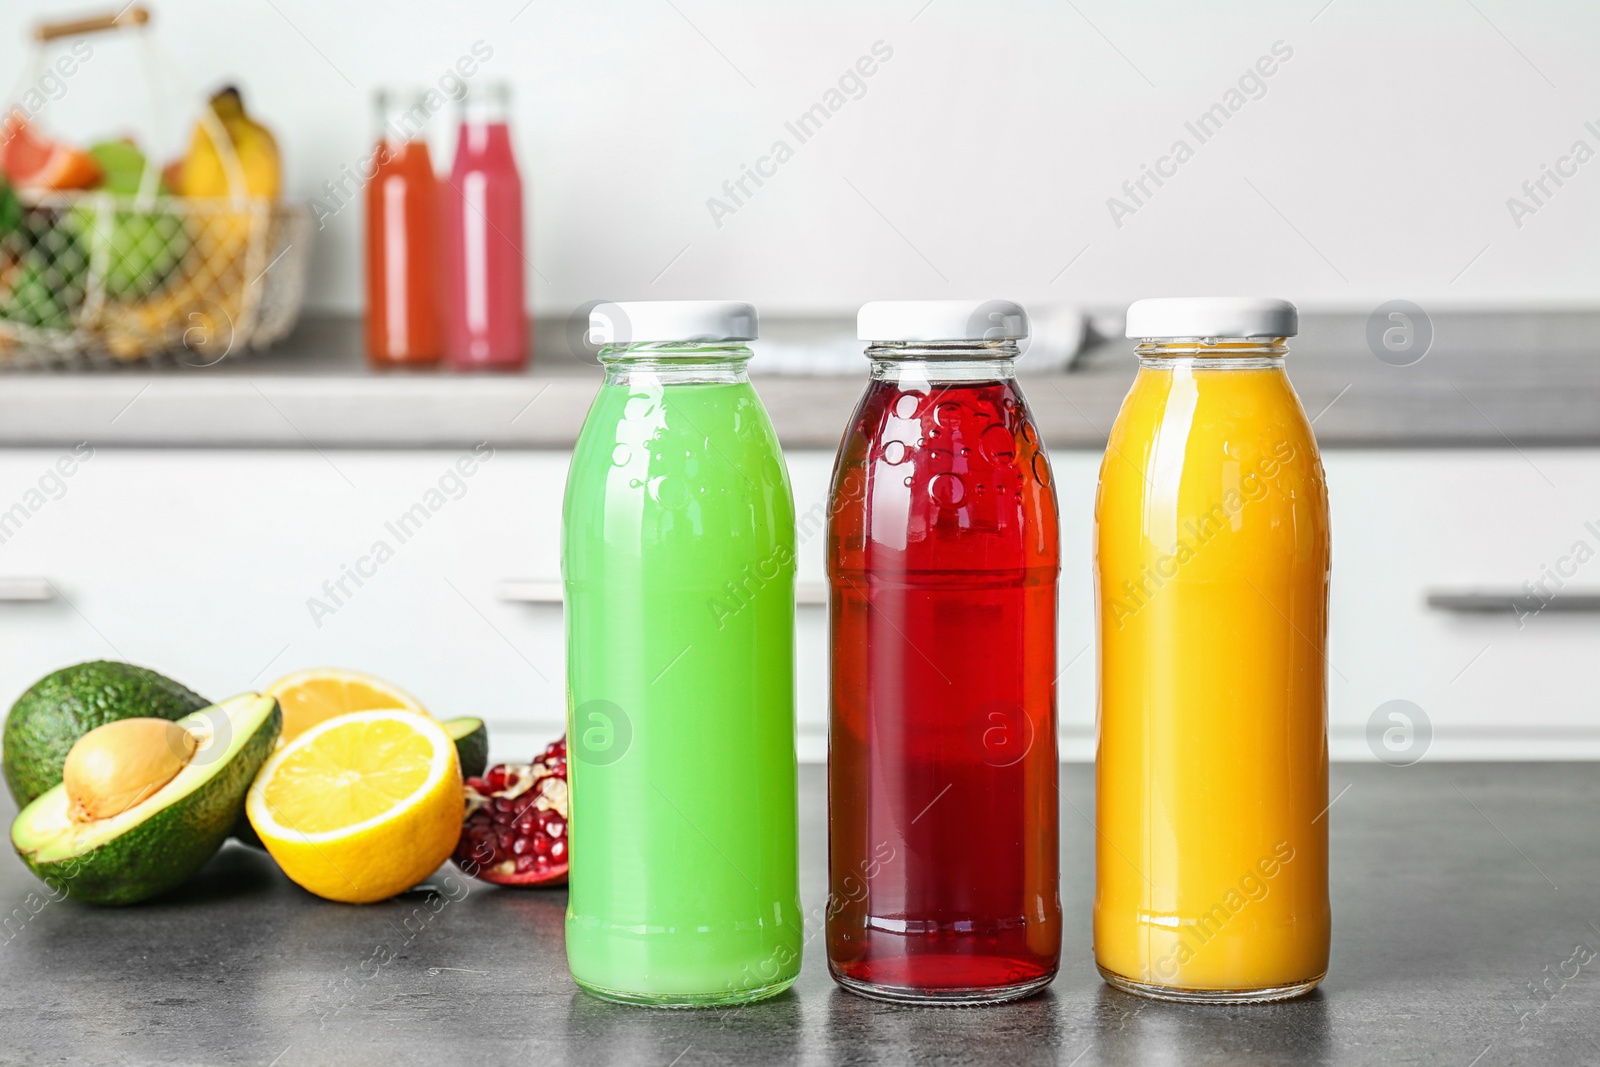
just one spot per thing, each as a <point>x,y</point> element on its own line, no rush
<point>122,764</point>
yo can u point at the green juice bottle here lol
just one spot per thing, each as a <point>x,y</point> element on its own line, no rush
<point>678,555</point>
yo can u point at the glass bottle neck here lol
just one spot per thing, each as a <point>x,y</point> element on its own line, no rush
<point>402,118</point>
<point>943,361</point>
<point>484,105</point>
<point>673,362</point>
<point>1212,353</point>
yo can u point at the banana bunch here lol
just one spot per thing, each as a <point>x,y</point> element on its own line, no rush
<point>202,172</point>
<point>198,315</point>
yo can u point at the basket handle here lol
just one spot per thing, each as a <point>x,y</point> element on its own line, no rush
<point>135,15</point>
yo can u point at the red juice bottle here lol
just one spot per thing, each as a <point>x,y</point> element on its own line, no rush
<point>402,240</point>
<point>486,317</point>
<point>943,559</point>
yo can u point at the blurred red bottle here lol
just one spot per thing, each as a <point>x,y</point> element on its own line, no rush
<point>486,318</point>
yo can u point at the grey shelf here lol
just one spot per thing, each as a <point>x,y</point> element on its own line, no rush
<point>1494,380</point>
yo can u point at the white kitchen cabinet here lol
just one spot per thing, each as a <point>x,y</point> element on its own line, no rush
<point>204,565</point>
<point>223,569</point>
<point>1407,524</point>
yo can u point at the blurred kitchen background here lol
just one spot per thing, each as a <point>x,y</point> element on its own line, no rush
<point>1340,153</point>
<point>1376,163</point>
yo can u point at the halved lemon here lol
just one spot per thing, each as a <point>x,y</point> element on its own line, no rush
<point>311,697</point>
<point>361,807</point>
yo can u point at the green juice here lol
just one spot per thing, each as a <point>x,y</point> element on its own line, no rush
<point>679,561</point>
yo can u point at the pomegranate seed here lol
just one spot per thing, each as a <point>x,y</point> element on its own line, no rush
<point>515,831</point>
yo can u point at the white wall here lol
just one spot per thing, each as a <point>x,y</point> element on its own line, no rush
<point>980,159</point>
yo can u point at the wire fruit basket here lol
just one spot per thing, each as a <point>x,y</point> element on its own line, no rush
<point>103,277</point>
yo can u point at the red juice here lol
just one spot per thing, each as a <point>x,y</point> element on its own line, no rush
<point>486,323</point>
<point>943,558</point>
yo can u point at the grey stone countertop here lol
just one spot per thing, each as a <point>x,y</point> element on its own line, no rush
<point>1465,933</point>
<point>1512,379</point>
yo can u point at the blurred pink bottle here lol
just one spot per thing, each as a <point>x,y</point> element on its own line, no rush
<point>486,322</point>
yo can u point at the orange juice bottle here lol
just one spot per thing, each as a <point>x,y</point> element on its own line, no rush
<point>402,239</point>
<point>1211,567</point>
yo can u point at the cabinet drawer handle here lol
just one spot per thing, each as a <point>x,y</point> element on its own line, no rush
<point>529,591</point>
<point>1488,601</point>
<point>26,590</point>
<point>534,591</point>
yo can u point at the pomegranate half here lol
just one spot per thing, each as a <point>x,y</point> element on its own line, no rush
<point>515,831</point>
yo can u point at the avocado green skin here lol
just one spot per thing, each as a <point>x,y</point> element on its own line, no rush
<point>173,844</point>
<point>472,749</point>
<point>49,718</point>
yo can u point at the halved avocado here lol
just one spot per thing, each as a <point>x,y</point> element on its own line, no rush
<point>472,744</point>
<point>161,842</point>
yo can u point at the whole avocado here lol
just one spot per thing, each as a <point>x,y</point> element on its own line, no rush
<point>61,707</point>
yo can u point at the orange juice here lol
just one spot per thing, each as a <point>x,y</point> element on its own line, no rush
<point>1211,556</point>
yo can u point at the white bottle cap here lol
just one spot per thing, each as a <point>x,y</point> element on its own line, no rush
<point>941,320</point>
<point>1212,316</point>
<point>644,321</point>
